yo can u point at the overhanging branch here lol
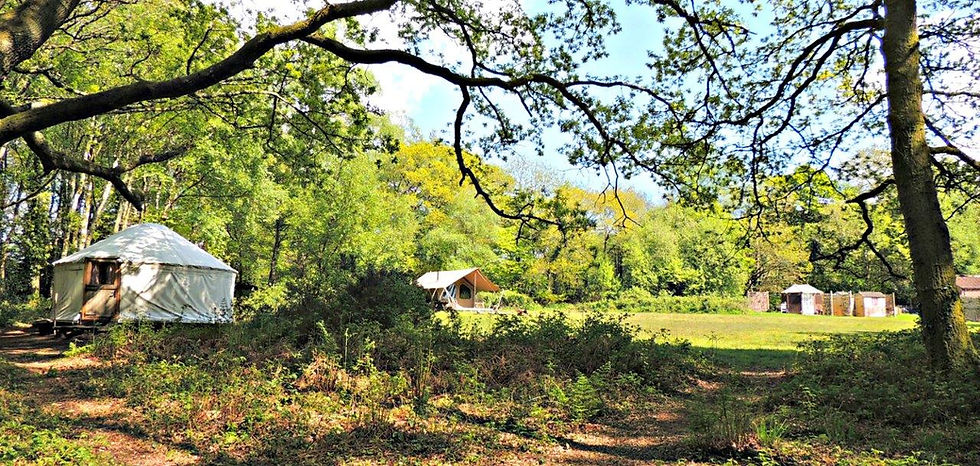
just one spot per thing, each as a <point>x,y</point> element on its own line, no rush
<point>77,108</point>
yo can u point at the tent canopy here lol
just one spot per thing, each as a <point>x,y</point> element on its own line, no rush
<point>148,243</point>
<point>802,289</point>
<point>444,278</point>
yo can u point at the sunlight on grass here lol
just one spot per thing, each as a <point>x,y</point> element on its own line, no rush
<point>762,340</point>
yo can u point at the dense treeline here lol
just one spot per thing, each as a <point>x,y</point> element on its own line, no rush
<point>257,183</point>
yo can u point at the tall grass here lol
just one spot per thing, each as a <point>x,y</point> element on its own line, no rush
<point>261,393</point>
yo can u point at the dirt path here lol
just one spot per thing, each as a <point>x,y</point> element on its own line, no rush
<point>53,383</point>
<point>650,435</point>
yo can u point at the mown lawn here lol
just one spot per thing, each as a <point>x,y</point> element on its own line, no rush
<point>750,341</point>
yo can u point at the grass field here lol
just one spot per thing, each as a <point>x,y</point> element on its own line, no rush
<point>751,341</point>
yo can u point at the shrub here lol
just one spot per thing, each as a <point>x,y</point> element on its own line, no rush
<point>510,299</point>
<point>639,300</point>
<point>878,389</point>
<point>24,312</point>
<point>379,296</point>
<point>584,402</point>
<point>516,351</point>
<point>723,423</point>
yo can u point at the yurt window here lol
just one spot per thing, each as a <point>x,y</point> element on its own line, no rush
<point>103,273</point>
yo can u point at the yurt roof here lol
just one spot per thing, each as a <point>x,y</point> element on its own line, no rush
<point>443,278</point>
<point>148,243</point>
<point>802,289</point>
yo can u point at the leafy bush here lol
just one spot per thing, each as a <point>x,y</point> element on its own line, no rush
<point>25,312</point>
<point>510,299</point>
<point>584,402</point>
<point>639,300</point>
<point>722,423</point>
<point>379,296</point>
<point>878,389</point>
<point>516,351</point>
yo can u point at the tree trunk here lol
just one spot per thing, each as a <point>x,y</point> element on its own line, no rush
<point>279,227</point>
<point>88,198</point>
<point>100,207</point>
<point>944,328</point>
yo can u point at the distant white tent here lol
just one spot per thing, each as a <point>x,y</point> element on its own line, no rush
<point>457,289</point>
<point>804,288</point>
<point>145,272</point>
<point>803,299</point>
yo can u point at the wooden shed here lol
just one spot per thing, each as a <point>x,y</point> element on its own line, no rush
<point>456,289</point>
<point>870,304</point>
<point>969,286</point>
<point>803,299</point>
<point>841,303</point>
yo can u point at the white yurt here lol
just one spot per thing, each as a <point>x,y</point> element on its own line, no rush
<point>146,272</point>
<point>803,299</point>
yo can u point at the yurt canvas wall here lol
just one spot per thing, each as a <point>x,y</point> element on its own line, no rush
<point>146,272</point>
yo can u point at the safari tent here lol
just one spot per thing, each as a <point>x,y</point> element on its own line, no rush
<point>456,289</point>
<point>146,272</point>
<point>803,299</point>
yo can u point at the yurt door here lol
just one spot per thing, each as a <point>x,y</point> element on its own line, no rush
<point>101,290</point>
<point>808,305</point>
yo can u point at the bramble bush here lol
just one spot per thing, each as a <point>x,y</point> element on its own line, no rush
<point>877,390</point>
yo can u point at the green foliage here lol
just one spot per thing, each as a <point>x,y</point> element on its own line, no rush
<point>250,391</point>
<point>769,430</point>
<point>550,343</point>
<point>722,422</point>
<point>382,297</point>
<point>584,402</point>
<point>639,300</point>
<point>510,299</point>
<point>29,435</point>
<point>680,251</point>
<point>24,311</point>
<point>877,389</point>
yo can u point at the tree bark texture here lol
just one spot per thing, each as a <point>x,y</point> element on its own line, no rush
<point>943,324</point>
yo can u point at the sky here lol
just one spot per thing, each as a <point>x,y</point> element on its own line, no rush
<point>411,98</point>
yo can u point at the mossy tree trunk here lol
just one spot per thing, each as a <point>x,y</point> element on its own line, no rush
<point>943,324</point>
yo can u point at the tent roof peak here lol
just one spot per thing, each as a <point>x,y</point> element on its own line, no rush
<point>148,243</point>
<point>443,278</point>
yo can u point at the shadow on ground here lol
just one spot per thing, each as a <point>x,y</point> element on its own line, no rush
<point>752,359</point>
